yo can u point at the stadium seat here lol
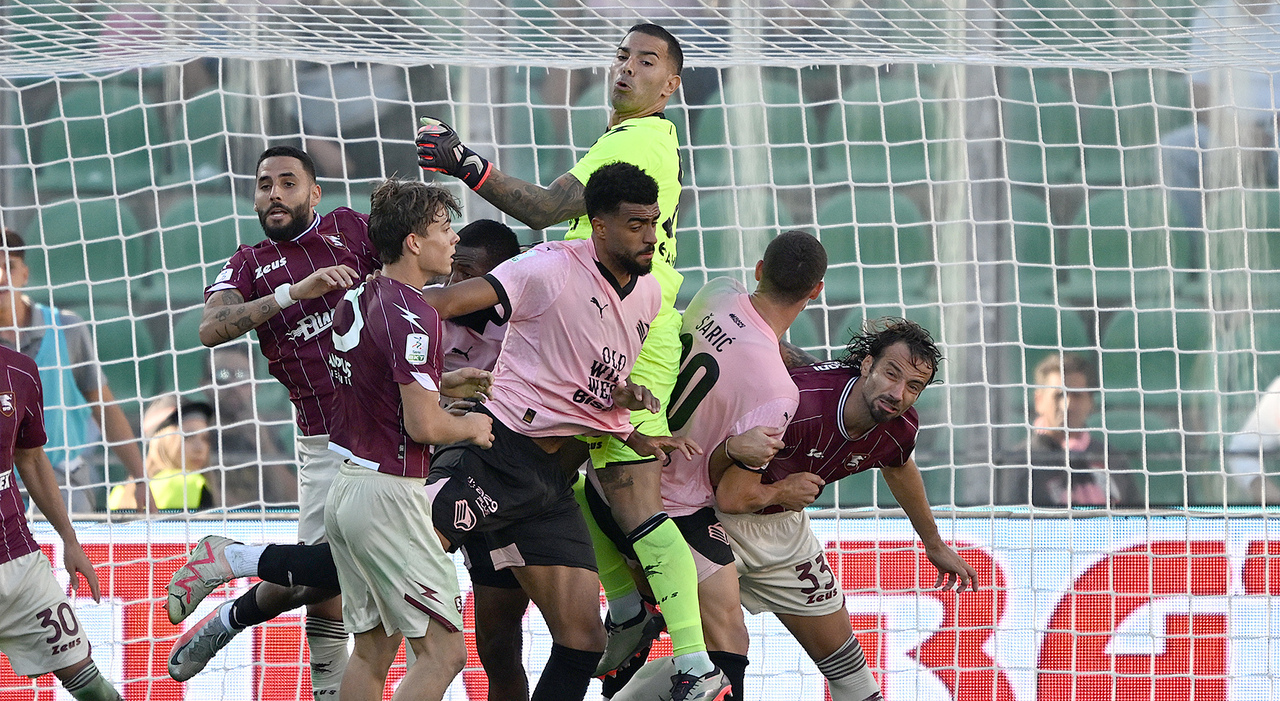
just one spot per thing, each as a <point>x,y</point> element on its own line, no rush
<point>185,360</point>
<point>1034,244</point>
<point>533,133</point>
<point>734,227</point>
<point>1044,330</point>
<point>729,145</point>
<point>1039,128</point>
<point>882,131</point>
<point>197,236</point>
<point>199,142</point>
<point>1149,356</point>
<point>125,350</point>
<point>808,332</point>
<point>1122,130</point>
<point>589,116</point>
<point>106,131</point>
<point>89,249</point>
<point>879,249</point>
<point>1125,248</point>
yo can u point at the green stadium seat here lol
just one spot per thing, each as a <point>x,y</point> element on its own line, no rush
<point>882,131</point>
<point>185,361</point>
<point>734,227</point>
<point>589,117</point>
<point>126,351</point>
<point>197,236</point>
<point>808,332</point>
<point>1128,247</point>
<point>89,249</point>
<point>726,150</point>
<point>536,142</point>
<point>1148,356</point>
<point>198,150</point>
<point>879,249</point>
<point>1122,130</point>
<point>1040,128</point>
<point>107,134</point>
<point>1034,254</point>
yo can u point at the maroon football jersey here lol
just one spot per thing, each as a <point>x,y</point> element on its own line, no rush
<point>21,427</point>
<point>296,341</point>
<point>816,440</point>
<point>384,335</point>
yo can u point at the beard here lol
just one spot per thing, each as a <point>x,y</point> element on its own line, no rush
<point>879,415</point>
<point>634,267</point>
<point>298,223</point>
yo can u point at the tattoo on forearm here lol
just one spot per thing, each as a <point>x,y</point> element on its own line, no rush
<point>536,206</point>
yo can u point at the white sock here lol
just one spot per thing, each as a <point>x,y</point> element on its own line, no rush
<point>327,641</point>
<point>224,613</point>
<point>244,559</point>
<point>695,663</point>
<point>848,676</point>
<point>626,607</point>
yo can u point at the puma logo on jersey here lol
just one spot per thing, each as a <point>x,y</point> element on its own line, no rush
<point>599,307</point>
<point>466,354</point>
<point>813,453</point>
<point>264,269</point>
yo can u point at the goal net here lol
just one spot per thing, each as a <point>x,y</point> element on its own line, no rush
<point>1084,186</point>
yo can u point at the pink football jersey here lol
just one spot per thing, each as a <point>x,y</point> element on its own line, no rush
<point>732,378</point>
<point>573,334</point>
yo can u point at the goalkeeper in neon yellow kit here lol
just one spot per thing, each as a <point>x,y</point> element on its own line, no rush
<point>644,74</point>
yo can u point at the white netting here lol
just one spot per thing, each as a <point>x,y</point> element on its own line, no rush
<point>1024,178</point>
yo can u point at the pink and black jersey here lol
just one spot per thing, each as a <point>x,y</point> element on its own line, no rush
<point>21,428</point>
<point>384,335</point>
<point>572,335</point>
<point>465,346</point>
<point>296,341</point>
<point>732,379</point>
<point>816,440</point>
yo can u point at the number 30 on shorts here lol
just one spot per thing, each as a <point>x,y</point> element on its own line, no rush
<point>817,582</point>
<point>60,620</point>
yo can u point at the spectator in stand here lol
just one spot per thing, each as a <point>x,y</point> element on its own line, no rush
<point>256,466</point>
<point>177,455</point>
<point>1254,445</point>
<point>79,405</point>
<point>1070,465</point>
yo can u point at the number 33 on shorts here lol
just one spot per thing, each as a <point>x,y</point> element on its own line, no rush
<point>817,581</point>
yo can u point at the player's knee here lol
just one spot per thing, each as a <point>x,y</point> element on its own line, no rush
<point>319,602</point>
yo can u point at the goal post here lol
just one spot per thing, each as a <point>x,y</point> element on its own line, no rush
<point>1028,179</point>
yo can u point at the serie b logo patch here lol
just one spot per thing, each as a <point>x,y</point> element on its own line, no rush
<point>415,348</point>
<point>7,404</point>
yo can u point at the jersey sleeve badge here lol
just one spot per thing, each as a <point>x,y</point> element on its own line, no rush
<point>415,348</point>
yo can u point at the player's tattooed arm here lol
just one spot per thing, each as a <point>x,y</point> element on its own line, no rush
<point>535,206</point>
<point>794,356</point>
<point>227,316</point>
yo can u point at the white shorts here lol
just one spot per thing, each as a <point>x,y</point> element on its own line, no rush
<point>391,566</point>
<point>781,566</point>
<point>318,466</point>
<point>39,631</point>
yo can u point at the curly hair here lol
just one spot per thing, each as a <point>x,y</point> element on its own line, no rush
<point>879,334</point>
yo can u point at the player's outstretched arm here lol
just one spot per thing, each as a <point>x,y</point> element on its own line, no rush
<point>908,488</point>
<point>428,423</point>
<point>661,446</point>
<point>441,150</point>
<point>227,316</point>
<point>741,491</point>
<point>463,298</point>
<point>37,474</point>
<point>634,397</point>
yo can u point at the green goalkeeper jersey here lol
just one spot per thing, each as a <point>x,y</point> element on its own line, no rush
<point>649,143</point>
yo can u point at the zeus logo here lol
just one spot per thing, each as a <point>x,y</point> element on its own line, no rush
<point>264,269</point>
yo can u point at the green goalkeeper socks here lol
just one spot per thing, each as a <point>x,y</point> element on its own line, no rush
<point>673,576</point>
<point>615,576</point>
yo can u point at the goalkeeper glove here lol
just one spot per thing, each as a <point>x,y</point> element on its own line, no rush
<point>440,150</point>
